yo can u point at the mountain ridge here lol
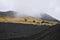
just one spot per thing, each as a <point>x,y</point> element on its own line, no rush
<point>12,14</point>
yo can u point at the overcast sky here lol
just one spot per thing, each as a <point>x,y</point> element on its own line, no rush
<point>32,7</point>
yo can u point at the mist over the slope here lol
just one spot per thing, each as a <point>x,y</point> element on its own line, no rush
<point>32,7</point>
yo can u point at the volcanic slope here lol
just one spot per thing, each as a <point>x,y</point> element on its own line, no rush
<point>18,31</point>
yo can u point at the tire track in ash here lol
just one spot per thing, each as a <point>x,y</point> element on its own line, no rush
<point>19,30</point>
<point>36,32</point>
<point>52,35</point>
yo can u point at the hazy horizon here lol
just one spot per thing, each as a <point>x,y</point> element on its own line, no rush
<point>32,7</point>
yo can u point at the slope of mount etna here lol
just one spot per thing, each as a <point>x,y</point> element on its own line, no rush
<point>16,31</point>
<point>7,14</point>
<point>45,16</point>
<point>42,16</point>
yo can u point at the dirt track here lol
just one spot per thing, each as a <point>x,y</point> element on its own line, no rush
<point>28,32</point>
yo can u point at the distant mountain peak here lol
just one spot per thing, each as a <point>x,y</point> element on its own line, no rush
<point>47,17</point>
<point>7,14</point>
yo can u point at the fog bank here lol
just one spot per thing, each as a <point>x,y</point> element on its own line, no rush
<point>32,7</point>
